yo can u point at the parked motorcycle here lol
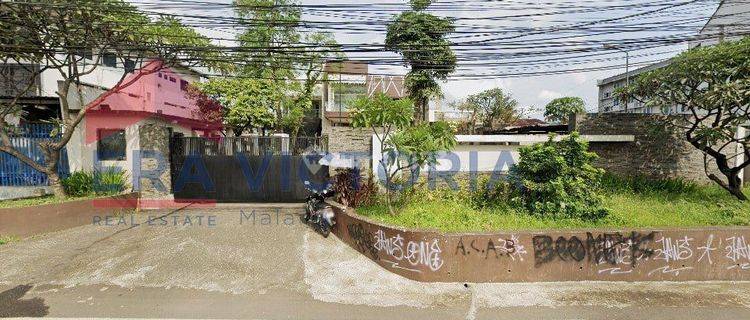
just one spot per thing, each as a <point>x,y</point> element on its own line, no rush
<point>318,213</point>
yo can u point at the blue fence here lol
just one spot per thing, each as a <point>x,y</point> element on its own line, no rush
<point>13,172</point>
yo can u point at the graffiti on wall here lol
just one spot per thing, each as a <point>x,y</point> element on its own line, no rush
<point>634,255</point>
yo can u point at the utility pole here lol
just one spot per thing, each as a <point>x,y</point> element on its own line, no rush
<point>627,68</point>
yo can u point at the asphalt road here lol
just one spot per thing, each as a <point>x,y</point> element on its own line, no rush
<point>228,263</point>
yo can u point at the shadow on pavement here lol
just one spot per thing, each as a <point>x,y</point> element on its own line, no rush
<point>11,304</point>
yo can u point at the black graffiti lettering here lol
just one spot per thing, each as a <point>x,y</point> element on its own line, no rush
<point>561,247</point>
<point>363,240</point>
<point>473,245</point>
<point>490,246</point>
<point>576,250</point>
<point>460,247</point>
<point>604,248</point>
<point>543,250</point>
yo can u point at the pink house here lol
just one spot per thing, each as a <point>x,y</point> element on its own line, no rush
<point>112,132</point>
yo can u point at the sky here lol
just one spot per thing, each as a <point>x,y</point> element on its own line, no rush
<point>526,29</point>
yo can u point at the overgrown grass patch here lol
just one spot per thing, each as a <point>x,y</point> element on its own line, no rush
<point>635,206</point>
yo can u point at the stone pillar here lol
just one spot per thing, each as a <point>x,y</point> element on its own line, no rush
<point>152,176</point>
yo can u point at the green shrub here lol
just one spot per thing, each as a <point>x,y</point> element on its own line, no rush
<point>490,193</point>
<point>557,179</point>
<point>106,182</point>
<point>79,184</point>
<point>645,185</point>
<point>109,181</point>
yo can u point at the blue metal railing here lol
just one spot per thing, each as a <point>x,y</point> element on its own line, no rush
<point>13,172</point>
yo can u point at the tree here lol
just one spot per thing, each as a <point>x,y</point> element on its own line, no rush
<point>69,38</point>
<point>494,107</point>
<point>407,146</point>
<point>712,86</point>
<point>421,38</point>
<point>245,103</point>
<point>557,179</point>
<point>274,49</point>
<point>560,109</point>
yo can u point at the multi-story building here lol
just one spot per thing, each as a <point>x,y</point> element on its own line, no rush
<point>729,22</point>
<point>111,131</point>
<point>345,82</point>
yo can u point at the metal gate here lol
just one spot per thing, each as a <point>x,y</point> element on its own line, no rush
<point>246,169</point>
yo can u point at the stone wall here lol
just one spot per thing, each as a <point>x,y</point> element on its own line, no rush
<point>348,139</point>
<point>656,152</point>
<point>154,154</point>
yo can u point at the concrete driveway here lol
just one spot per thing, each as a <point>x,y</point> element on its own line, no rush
<point>262,263</point>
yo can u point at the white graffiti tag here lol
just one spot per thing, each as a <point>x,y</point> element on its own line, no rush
<point>512,248</point>
<point>417,253</point>
<point>738,251</point>
<point>674,250</point>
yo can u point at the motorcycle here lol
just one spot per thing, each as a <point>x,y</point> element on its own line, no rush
<point>318,213</point>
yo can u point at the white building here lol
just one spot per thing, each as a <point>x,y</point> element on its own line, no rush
<point>731,21</point>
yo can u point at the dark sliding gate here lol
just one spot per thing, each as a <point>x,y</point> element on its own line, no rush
<point>246,169</point>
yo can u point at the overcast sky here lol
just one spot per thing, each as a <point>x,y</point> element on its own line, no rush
<point>488,17</point>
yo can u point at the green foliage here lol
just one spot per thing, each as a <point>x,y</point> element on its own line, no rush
<point>414,145</point>
<point>79,183</point>
<point>644,185</point>
<point>557,179</point>
<point>712,86</point>
<point>352,189</point>
<point>421,38</point>
<point>450,211</point>
<point>107,182</point>
<point>381,111</point>
<point>8,239</point>
<point>272,27</point>
<point>421,143</point>
<point>558,110</point>
<point>247,103</point>
<point>493,107</point>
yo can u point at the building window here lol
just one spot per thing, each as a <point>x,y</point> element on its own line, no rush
<point>183,85</point>
<point>344,94</point>
<point>109,60</point>
<point>172,79</point>
<point>129,65</point>
<point>111,144</point>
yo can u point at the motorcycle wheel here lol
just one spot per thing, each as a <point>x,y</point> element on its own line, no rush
<point>325,229</point>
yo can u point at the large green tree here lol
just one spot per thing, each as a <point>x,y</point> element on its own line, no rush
<point>274,48</point>
<point>560,109</point>
<point>69,38</point>
<point>712,86</point>
<point>421,38</point>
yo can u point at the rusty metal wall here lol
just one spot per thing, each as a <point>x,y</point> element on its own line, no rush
<point>603,255</point>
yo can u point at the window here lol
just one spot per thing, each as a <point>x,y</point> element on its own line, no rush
<point>111,144</point>
<point>344,94</point>
<point>172,79</point>
<point>129,65</point>
<point>183,85</point>
<point>109,60</point>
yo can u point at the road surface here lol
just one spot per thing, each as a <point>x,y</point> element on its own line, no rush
<point>261,263</point>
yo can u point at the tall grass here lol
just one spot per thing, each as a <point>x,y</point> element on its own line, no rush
<point>644,185</point>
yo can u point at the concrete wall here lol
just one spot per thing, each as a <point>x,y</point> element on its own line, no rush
<point>13,192</point>
<point>655,153</point>
<point>139,135</point>
<point>532,256</point>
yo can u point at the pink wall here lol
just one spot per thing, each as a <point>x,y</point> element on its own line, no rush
<point>147,92</point>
